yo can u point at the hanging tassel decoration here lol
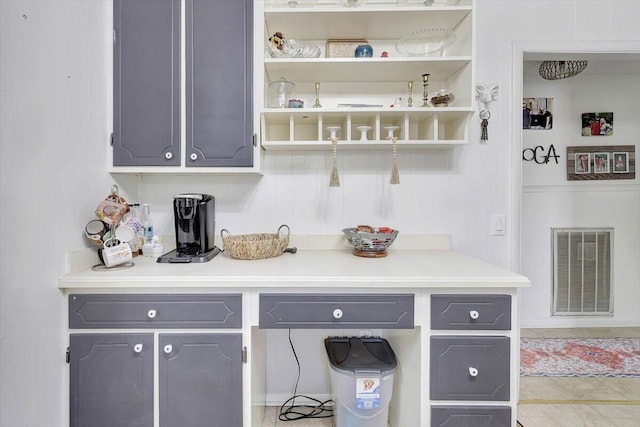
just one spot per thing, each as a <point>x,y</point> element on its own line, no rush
<point>395,175</point>
<point>484,116</point>
<point>335,179</point>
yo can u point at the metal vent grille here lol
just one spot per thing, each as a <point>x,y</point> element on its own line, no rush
<point>582,271</point>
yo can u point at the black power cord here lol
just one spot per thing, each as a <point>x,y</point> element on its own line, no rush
<point>295,412</point>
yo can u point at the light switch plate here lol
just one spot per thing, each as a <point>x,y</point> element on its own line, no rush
<point>498,225</point>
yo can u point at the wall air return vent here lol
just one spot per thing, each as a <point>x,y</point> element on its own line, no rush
<point>582,271</point>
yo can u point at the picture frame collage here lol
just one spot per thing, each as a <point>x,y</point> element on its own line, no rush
<point>600,162</point>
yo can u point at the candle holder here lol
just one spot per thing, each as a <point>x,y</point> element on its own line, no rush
<point>410,90</point>
<point>316,104</point>
<point>425,94</point>
<point>363,132</point>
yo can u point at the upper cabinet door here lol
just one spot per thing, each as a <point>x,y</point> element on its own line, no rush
<point>146,82</point>
<point>219,58</point>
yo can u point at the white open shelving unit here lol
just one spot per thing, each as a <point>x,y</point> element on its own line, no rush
<point>372,81</point>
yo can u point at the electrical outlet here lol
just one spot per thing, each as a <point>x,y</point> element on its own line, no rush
<point>498,225</point>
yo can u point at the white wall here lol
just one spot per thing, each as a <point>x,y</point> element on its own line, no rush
<point>54,124</point>
<point>549,200</point>
<point>53,131</point>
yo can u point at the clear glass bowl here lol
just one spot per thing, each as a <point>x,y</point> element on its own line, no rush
<point>350,3</point>
<point>427,42</point>
<point>293,49</point>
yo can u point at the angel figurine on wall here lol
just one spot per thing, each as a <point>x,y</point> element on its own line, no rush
<point>485,95</point>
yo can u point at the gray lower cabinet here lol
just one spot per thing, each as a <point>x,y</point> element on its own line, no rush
<point>146,83</point>
<point>200,380</point>
<point>470,416</point>
<point>199,376</point>
<point>470,368</point>
<point>331,311</point>
<point>111,380</point>
<point>471,312</point>
<point>219,82</point>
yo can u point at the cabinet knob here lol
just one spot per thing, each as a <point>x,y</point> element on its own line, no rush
<point>168,155</point>
<point>168,348</point>
<point>151,314</point>
<point>474,314</point>
<point>337,313</point>
<point>193,156</point>
<point>473,372</point>
<point>137,348</point>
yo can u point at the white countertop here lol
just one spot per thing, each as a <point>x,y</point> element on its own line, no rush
<point>308,268</point>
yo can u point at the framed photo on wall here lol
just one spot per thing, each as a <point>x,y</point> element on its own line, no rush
<point>583,162</point>
<point>620,162</point>
<point>597,124</point>
<point>537,113</point>
<point>601,162</point>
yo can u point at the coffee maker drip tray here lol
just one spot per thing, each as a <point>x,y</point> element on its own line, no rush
<point>175,258</point>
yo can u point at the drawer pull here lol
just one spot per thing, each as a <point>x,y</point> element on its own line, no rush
<point>474,314</point>
<point>473,372</point>
<point>337,313</point>
<point>151,314</point>
<point>137,348</point>
<point>168,348</point>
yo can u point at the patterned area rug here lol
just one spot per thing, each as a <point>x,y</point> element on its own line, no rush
<point>580,357</point>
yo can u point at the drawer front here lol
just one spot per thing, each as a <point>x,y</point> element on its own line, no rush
<point>470,368</point>
<point>492,312</point>
<point>478,416</point>
<point>155,311</point>
<point>320,311</point>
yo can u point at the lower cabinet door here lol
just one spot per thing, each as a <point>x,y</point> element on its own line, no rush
<point>200,378</point>
<point>111,380</point>
<point>470,368</point>
<point>470,416</point>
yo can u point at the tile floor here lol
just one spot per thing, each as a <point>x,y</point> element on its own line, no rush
<point>556,402</point>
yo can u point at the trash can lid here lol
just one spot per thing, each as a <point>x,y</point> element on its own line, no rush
<point>353,354</point>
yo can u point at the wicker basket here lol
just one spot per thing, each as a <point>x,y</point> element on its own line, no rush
<point>255,246</point>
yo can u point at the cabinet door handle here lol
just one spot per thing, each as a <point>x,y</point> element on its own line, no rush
<point>168,155</point>
<point>193,156</point>
<point>473,372</point>
<point>151,314</point>
<point>474,314</point>
<point>168,348</point>
<point>137,348</point>
<point>337,313</point>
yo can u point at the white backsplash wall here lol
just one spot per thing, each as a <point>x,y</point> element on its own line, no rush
<point>435,194</point>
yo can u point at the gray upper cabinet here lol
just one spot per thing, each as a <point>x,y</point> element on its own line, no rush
<point>219,66</point>
<point>146,98</point>
<point>111,380</point>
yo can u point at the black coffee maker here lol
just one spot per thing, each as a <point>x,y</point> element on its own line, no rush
<point>194,217</point>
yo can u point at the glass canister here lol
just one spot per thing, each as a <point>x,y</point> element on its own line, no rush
<point>280,92</point>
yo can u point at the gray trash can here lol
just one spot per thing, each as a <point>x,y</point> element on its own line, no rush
<point>362,371</point>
